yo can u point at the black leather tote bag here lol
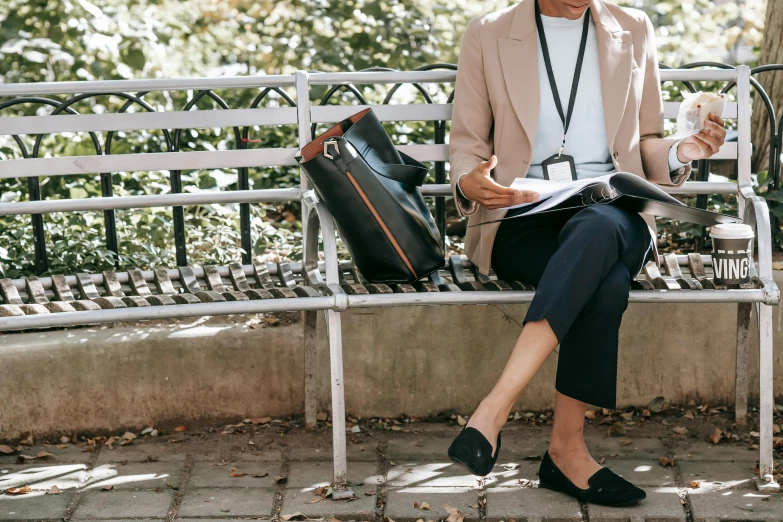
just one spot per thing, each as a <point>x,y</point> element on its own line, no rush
<point>372,190</point>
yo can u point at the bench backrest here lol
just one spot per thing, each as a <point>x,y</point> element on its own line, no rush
<point>303,115</point>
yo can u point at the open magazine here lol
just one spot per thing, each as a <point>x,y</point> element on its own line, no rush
<point>622,189</point>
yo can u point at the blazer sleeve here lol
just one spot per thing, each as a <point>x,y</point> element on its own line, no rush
<point>470,139</point>
<point>654,147</point>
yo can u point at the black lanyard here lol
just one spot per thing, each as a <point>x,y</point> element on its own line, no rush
<point>566,119</point>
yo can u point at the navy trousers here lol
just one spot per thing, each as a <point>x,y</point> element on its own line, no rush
<point>581,262</point>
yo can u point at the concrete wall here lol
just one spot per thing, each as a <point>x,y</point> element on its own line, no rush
<point>418,360</point>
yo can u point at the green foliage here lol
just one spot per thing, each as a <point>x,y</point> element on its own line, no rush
<point>71,40</point>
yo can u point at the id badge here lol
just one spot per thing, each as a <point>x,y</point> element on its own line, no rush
<point>559,168</point>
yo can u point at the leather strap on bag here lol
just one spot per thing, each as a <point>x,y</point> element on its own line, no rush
<point>410,173</point>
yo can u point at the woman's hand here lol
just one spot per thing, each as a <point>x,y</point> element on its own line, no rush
<point>478,186</point>
<point>705,143</point>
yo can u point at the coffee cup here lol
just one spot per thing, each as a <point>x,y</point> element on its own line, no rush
<point>732,253</point>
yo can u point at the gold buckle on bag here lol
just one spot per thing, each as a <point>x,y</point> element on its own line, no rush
<point>326,148</point>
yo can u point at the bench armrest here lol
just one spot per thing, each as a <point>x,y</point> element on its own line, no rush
<point>317,218</point>
<point>756,214</point>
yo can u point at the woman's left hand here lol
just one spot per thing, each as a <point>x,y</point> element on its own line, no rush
<point>705,143</point>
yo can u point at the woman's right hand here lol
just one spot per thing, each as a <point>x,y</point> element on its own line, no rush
<point>478,186</point>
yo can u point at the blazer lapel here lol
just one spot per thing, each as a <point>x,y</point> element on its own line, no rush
<point>519,63</point>
<point>615,55</point>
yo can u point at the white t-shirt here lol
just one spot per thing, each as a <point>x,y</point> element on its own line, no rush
<point>586,137</point>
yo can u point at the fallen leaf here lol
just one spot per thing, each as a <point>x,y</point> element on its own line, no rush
<point>54,490</point>
<point>44,454</point>
<point>694,484</point>
<point>455,515</point>
<point>27,439</point>
<point>260,475</point>
<point>616,430</point>
<point>689,414</point>
<point>107,488</point>
<point>591,415</point>
<point>715,436</point>
<point>281,479</point>
<point>236,474</point>
<point>180,429</point>
<point>293,516</point>
<point>461,421</point>
<point>313,500</point>
<point>18,491</point>
<point>626,442</point>
<point>6,449</point>
<point>666,461</point>
<point>356,429</point>
<point>424,505</point>
<point>681,430</point>
<point>264,420</point>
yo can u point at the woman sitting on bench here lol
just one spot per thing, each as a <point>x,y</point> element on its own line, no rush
<point>560,90</point>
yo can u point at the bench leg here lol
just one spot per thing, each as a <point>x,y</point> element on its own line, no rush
<point>744,311</point>
<point>766,395</point>
<point>310,369</point>
<point>340,489</point>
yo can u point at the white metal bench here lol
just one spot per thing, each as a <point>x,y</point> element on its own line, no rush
<point>329,285</point>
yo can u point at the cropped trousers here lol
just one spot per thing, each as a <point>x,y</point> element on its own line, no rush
<point>581,262</point>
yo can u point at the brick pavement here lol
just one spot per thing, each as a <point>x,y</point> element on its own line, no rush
<point>398,475</point>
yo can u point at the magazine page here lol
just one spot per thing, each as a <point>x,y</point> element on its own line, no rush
<point>552,193</point>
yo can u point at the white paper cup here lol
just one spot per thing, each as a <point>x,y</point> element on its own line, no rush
<point>732,251</point>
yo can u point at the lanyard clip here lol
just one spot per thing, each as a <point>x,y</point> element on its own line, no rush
<point>562,147</point>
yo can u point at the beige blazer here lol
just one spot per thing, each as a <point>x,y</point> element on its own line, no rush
<point>496,101</point>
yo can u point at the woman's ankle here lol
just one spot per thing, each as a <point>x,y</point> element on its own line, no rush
<point>488,414</point>
<point>567,447</point>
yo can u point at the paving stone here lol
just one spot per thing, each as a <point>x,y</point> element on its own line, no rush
<point>34,506</point>
<point>218,475</point>
<point>64,476</point>
<point>508,473</point>
<point>124,504</point>
<point>363,508</point>
<point>735,505</point>
<point>136,475</point>
<point>310,475</point>
<point>659,505</point>
<point>419,446</point>
<point>602,446</point>
<point>143,451</point>
<point>400,503</point>
<point>643,472</point>
<point>237,449</point>
<point>718,475</point>
<point>313,446</point>
<point>225,502</point>
<point>715,452</point>
<point>531,504</point>
<point>69,454</point>
<point>422,475</point>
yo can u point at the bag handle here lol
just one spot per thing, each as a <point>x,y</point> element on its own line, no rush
<point>410,173</point>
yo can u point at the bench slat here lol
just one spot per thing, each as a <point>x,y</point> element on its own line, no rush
<point>21,168</point>
<point>397,112</point>
<point>147,121</point>
<point>433,152</point>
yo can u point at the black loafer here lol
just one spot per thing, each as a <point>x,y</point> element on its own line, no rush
<point>472,449</point>
<point>605,487</point>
